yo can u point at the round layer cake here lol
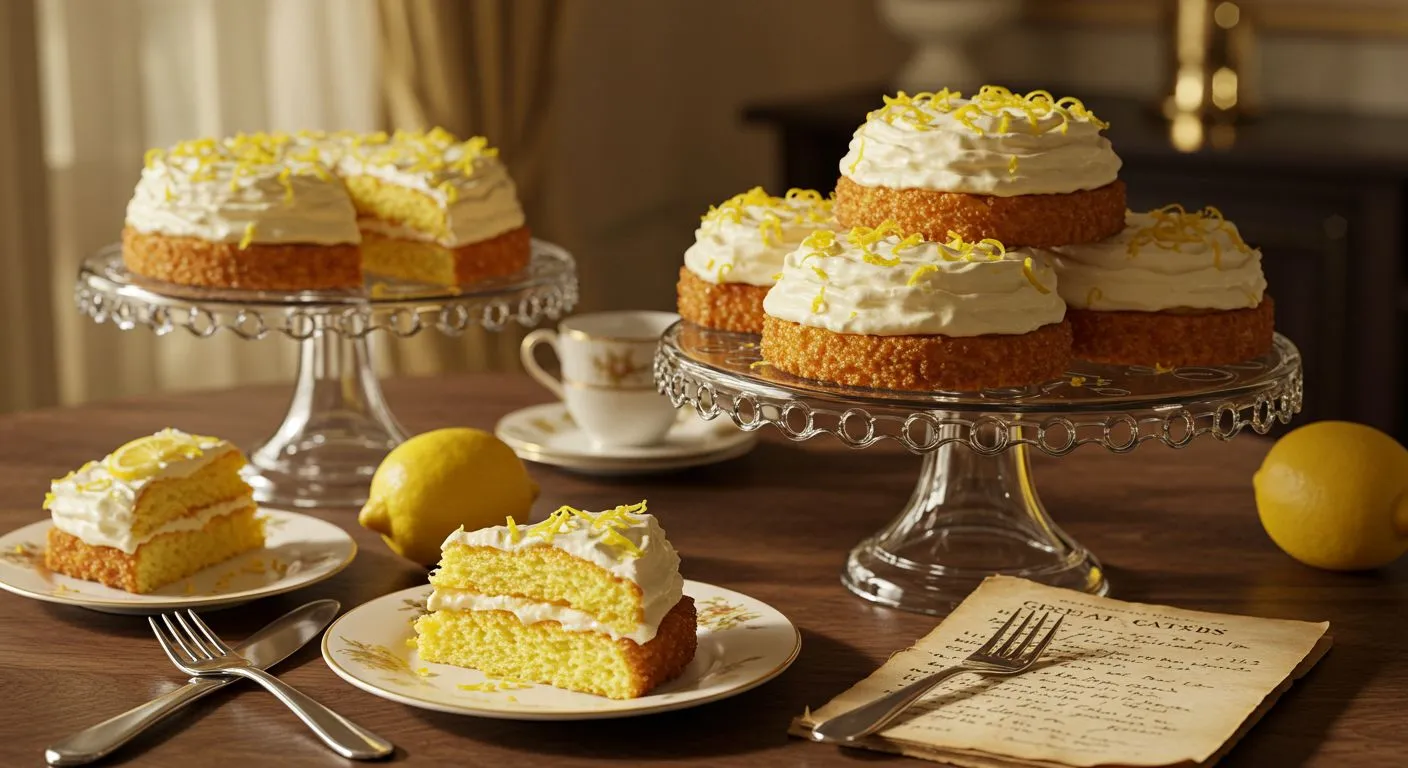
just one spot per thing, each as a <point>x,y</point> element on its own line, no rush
<point>737,252</point>
<point>1027,170</point>
<point>314,210</point>
<point>1173,288</point>
<point>870,308</point>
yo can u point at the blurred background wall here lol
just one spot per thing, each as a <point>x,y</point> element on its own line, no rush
<point>622,120</point>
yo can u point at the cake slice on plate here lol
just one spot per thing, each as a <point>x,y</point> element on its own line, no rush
<point>154,511</point>
<point>591,602</point>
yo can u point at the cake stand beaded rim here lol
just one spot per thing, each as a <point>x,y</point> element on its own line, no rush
<point>106,292</point>
<point>1271,392</point>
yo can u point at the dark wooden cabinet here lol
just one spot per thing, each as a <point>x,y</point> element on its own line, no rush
<point>1322,195</point>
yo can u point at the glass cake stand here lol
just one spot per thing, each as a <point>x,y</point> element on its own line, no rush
<point>338,426</point>
<point>975,510</point>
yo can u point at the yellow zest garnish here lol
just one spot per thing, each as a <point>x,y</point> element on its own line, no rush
<point>723,270</point>
<point>757,364</point>
<point>798,206</point>
<point>1092,295</point>
<point>919,110</point>
<point>776,276</point>
<point>514,535</point>
<point>860,154</point>
<point>852,316</point>
<point>819,301</point>
<point>449,190</point>
<point>152,155</point>
<point>1175,227</point>
<point>614,536</point>
<point>168,194</point>
<point>1012,165</point>
<point>1161,368</point>
<point>1031,278</point>
<point>820,240</point>
<point>48,502</point>
<point>821,273</point>
<point>911,241</point>
<point>920,273</point>
<point>423,671</point>
<point>286,179</point>
<point>248,236</point>
<point>996,101</point>
<point>1077,381</point>
<point>1005,123</point>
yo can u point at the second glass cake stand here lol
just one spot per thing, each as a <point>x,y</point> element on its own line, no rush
<point>337,427</point>
<point>975,510</point>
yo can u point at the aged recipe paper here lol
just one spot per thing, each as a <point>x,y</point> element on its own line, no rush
<point>1123,683</point>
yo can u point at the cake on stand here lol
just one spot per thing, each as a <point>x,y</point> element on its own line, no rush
<point>337,427</point>
<point>975,510</point>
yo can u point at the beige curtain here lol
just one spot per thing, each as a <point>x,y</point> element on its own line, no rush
<point>477,67</point>
<point>26,336</point>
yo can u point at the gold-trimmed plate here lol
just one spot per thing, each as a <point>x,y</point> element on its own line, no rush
<point>299,550</point>
<point>743,643</point>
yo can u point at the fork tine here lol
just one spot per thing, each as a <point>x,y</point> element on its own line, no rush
<point>1045,641</point>
<point>998,634</point>
<point>1017,652</point>
<point>209,635</point>
<point>195,638</point>
<point>181,639</point>
<point>1016,633</point>
<point>181,663</point>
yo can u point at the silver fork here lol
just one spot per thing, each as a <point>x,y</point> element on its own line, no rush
<point>990,659</point>
<point>203,654</point>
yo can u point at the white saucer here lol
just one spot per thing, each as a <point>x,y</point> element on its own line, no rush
<point>743,643</point>
<point>298,551</point>
<point>547,434</point>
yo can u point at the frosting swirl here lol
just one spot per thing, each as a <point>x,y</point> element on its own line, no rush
<point>996,143</point>
<point>744,239</point>
<point>873,282</point>
<point>1164,259</point>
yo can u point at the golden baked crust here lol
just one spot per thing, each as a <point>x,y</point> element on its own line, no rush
<point>1041,221</point>
<point>726,306</point>
<point>1173,339</point>
<point>67,554</point>
<point>499,256</point>
<point>918,363</point>
<point>192,261</point>
<point>665,656</point>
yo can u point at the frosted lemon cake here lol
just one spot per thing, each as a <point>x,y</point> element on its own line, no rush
<point>314,210</point>
<point>154,511</point>
<point>1173,288</point>
<point>738,251</point>
<point>876,308</point>
<point>591,602</point>
<point>1025,169</point>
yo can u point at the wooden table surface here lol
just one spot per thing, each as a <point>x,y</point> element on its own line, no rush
<point>1175,527</point>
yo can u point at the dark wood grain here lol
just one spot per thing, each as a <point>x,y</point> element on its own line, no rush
<point>1175,527</point>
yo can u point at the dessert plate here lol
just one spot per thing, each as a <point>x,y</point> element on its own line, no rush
<point>547,434</point>
<point>298,550</point>
<point>743,643</point>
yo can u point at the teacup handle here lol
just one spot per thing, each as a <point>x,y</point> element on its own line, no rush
<point>530,363</point>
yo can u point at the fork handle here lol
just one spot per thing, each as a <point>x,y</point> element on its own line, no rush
<point>869,718</point>
<point>344,736</point>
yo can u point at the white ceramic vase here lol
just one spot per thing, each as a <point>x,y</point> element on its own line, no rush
<point>944,34</point>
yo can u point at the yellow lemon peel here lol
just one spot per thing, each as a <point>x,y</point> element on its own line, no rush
<point>1028,272</point>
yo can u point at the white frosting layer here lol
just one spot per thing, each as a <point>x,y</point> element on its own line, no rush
<point>950,296</point>
<point>946,155</point>
<point>655,570</point>
<point>478,206</point>
<point>571,619</point>
<point>171,199</point>
<point>98,508</point>
<point>747,242</point>
<point>1135,272</point>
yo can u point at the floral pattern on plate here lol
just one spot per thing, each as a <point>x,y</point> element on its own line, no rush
<point>373,648</point>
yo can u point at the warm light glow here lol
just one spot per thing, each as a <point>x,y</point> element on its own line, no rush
<point>1186,133</point>
<point>1188,93</point>
<point>1192,34</point>
<point>1226,15</point>
<point>1224,88</point>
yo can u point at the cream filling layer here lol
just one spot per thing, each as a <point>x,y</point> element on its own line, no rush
<point>571,619</point>
<point>96,530</point>
<point>1127,273</point>
<point>1004,157</point>
<point>929,289</point>
<point>481,207</point>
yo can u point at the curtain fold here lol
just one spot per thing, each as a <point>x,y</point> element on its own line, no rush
<point>479,67</point>
<point>26,336</point>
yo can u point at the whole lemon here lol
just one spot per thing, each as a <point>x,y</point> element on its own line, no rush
<point>438,481</point>
<point>1334,495</point>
